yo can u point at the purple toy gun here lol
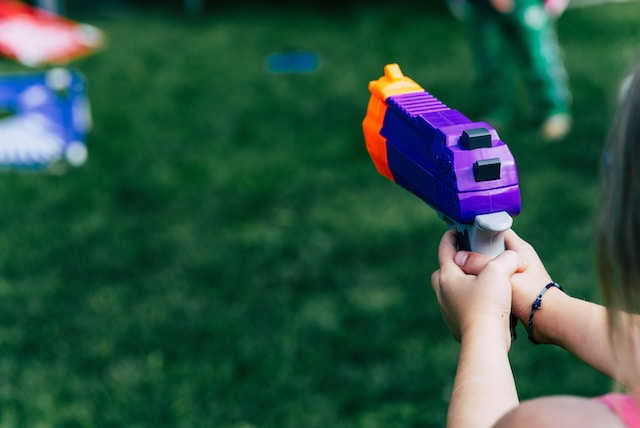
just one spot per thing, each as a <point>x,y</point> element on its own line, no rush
<point>459,167</point>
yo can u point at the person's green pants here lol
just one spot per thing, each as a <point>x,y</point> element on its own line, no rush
<point>527,33</point>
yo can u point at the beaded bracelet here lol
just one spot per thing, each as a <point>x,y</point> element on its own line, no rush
<point>537,304</point>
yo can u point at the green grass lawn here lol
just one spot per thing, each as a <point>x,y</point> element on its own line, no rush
<point>229,257</point>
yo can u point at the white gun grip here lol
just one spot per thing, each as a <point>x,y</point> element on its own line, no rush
<point>486,235</point>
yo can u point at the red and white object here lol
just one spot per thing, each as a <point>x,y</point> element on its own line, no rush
<point>36,37</point>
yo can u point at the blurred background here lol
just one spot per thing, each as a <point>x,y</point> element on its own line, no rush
<point>229,256</point>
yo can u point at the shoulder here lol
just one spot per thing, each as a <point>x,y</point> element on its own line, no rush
<point>560,411</point>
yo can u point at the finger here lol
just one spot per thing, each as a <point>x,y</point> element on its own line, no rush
<point>447,248</point>
<point>435,282</point>
<point>446,253</point>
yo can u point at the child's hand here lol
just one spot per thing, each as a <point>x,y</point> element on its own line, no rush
<point>526,284</point>
<point>472,303</point>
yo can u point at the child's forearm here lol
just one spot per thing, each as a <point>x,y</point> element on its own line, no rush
<point>578,326</point>
<point>484,388</point>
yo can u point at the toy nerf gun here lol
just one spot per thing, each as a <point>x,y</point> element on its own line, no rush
<point>459,167</point>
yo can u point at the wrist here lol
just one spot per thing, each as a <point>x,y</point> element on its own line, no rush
<point>543,322</point>
<point>536,306</point>
<point>490,329</point>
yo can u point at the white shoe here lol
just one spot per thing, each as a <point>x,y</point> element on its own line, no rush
<point>556,126</point>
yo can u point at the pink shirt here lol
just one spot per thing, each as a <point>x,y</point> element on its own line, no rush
<point>623,405</point>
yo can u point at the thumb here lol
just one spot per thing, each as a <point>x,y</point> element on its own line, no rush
<point>506,263</point>
<point>471,263</point>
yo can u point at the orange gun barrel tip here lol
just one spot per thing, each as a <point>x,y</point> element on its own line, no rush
<point>394,82</point>
<point>393,72</point>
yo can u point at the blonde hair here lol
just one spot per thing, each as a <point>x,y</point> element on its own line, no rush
<point>619,234</point>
